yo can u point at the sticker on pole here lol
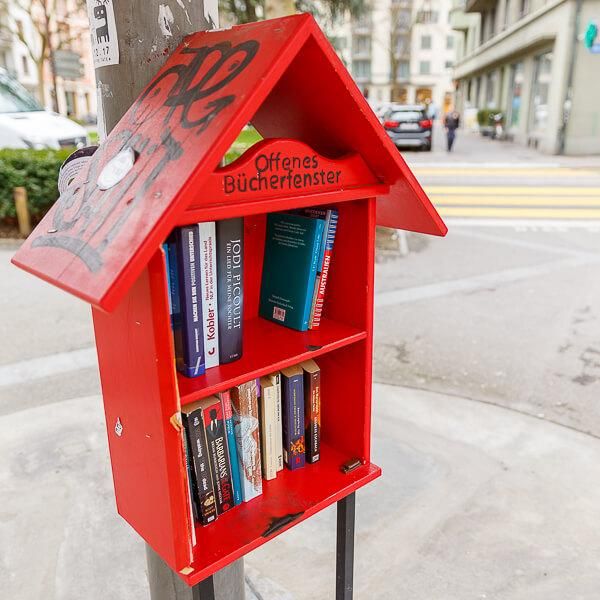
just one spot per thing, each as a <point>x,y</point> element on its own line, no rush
<point>105,45</point>
<point>72,165</point>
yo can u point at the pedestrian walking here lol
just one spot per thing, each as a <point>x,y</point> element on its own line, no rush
<point>451,123</point>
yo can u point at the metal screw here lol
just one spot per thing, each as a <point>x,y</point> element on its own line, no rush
<point>52,230</point>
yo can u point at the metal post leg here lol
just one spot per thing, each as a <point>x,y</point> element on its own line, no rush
<point>205,590</point>
<point>345,548</point>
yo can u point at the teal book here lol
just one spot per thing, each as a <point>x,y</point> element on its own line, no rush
<point>292,250</point>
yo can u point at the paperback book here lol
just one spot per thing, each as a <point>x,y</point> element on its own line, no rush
<point>208,270</point>
<point>232,447</point>
<point>268,424</point>
<point>292,398</point>
<point>275,380</point>
<point>312,409</point>
<point>291,257</point>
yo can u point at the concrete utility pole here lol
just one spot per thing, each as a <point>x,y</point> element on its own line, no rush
<point>147,32</point>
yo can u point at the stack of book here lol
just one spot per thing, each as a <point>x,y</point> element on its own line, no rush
<point>298,248</point>
<point>205,275</point>
<point>244,435</point>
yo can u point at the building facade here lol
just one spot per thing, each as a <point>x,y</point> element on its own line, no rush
<point>400,51</point>
<point>528,59</point>
<point>20,48</point>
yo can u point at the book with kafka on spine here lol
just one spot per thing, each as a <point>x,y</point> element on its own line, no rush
<point>292,251</point>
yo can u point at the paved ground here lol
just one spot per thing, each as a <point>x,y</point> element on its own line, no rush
<point>490,486</point>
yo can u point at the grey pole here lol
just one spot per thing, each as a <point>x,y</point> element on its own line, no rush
<point>144,44</point>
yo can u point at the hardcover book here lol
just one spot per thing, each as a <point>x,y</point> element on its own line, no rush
<point>190,360</point>
<point>330,216</point>
<point>232,447</point>
<point>292,399</point>
<point>208,269</point>
<point>230,287</point>
<point>292,248</point>
<point>193,422</point>
<point>216,440</point>
<point>275,380</point>
<point>268,402</point>
<point>170,247</point>
<point>312,409</point>
<point>245,420</point>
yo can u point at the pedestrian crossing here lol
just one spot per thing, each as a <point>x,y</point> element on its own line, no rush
<point>574,200</point>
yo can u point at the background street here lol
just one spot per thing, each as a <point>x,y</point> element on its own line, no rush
<point>486,420</point>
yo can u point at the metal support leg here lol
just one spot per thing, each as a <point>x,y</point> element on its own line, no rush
<point>205,590</point>
<point>345,548</point>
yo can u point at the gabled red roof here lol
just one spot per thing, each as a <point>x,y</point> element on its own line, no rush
<point>284,77</point>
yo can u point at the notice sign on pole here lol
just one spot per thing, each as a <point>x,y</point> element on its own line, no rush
<point>105,46</point>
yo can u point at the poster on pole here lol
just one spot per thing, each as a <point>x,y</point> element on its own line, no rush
<point>103,29</point>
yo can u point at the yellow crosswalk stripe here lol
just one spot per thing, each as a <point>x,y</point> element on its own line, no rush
<point>564,201</point>
<point>504,172</point>
<point>522,213</point>
<point>510,190</point>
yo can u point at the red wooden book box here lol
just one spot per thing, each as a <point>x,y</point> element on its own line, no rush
<point>104,245</point>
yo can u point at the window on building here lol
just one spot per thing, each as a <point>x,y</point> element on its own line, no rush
<point>448,64</point>
<point>403,71</point>
<point>338,42</point>
<point>492,22</point>
<point>427,16</point>
<point>25,65</point>
<point>523,7</point>
<point>449,42</point>
<point>490,89</point>
<point>363,21</point>
<point>20,30</point>
<point>402,45</point>
<point>361,45</point>
<point>425,67</point>
<point>515,92</point>
<point>402,20</point>
<point>425,42</point>
<point>71,102</point>
<point>361,69</point>
<point>507,9</point>
<point>541,92</point>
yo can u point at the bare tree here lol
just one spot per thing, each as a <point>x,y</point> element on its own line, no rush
<point>51,33</point>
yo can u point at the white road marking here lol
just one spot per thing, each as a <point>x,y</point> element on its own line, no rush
<point>46,366</point>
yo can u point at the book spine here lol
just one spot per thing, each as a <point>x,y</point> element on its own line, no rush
<point>276,381</point>
<point>293,421</point>
<point>216,439</point>
<point>230,287</point>
<point>320,297</point>
<point>245,418</point>
<point>191,360</point>
<point>268,400</point>
<point>313,273</point>
<point>208,268</point>
<point>193,489</point>
<point>194,428</point>
<point>312,407</point>
<point>232,447</point>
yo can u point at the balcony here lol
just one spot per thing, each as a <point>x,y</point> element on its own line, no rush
<point>479,6</point>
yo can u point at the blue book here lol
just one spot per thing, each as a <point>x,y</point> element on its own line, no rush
<point>292,250</point>
<point>292,410</point>
<point>232,446</point>
<point>190,351</point>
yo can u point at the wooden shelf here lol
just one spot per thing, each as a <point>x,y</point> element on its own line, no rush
<point>268,347</point>
<point>304,491</point>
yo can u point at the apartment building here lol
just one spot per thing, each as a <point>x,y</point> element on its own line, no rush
<point>401,51</point>
<point>528,59</point>
<point>75,80</point>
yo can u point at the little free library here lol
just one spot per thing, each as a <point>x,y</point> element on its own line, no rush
<point>233,303</point>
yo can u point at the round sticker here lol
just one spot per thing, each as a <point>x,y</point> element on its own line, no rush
<point>72,165</point>
<point>116,169</point>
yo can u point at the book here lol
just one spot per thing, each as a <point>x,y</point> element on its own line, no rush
<point>170,248</point>
<point>312,409</point>
<point>208,270</point>
<point>232,447</point>
<point>218,453</point>
<point>292,409</point>
<point>291,255</point>
<point>192,486</point>
<point>268,410</point>
<point>275,380</point>
<point>330,216</point>
<point>247,436</point>
<point>190,358</point>
<point>230,287</point>
<point>193,422</point>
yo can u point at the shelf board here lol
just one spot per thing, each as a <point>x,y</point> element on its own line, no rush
<point>304,491</point>
<point>268,347</point>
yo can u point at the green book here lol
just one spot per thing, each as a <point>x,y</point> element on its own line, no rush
<point>292,247</point>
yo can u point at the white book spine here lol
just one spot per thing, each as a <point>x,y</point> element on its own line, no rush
<point>276,381</point>
<point>268,401</point>
<point>208,264</point>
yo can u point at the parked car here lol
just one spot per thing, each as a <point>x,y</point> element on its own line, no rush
<point>25,124</point>
<point>409,126</point>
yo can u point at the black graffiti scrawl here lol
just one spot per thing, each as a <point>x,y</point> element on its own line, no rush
<point>183,99</point>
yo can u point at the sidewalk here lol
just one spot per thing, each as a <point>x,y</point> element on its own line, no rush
<point>472,148</point>
<point>476,501</point>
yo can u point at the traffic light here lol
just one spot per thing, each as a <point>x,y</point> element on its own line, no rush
<point>590,35</point>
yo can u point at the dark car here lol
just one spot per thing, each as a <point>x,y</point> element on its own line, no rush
<point>409,126</point>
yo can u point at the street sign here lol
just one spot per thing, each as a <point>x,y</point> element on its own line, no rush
<point>68,64</point>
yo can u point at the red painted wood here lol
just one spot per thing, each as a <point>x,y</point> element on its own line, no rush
<point>95,243</point>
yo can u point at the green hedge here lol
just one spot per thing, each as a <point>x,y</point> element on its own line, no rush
<point>35,170</point>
